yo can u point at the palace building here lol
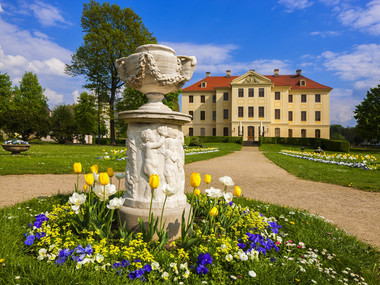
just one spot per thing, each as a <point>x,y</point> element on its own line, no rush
<point>253,105</point>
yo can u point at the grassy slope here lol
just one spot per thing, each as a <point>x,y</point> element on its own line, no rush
<point>310,170</point>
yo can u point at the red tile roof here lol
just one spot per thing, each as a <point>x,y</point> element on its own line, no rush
<point>282,80</point>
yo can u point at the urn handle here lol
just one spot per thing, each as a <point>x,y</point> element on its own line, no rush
<point>187,64</point>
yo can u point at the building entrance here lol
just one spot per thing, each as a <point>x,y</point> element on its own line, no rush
<point>251,133</point>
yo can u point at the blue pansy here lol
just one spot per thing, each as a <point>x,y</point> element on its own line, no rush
<point>204,258</point>
<point>30,240</point>
<point>201,269</point>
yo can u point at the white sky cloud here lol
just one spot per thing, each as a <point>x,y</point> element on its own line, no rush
<point>75,94</point>
<point>362,65</point>
<point>38,34</point>
<point>342,106</point>
<point>1,8</point>
<point>292,5</point>
<point>53,97</point>
<point>325,34</point>
<point>366,19</point>
<point>47,14</point>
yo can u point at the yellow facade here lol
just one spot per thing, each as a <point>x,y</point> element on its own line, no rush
<point>252,105</point>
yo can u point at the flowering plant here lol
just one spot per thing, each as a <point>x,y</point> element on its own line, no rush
<point>16,140</point>
<point>114,154</point>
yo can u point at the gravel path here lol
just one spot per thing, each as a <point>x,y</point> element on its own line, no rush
<point>356,211</point>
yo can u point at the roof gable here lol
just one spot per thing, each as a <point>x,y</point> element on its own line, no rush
<point>252,77</point>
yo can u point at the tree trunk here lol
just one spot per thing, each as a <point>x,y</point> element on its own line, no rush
<point>112,117</point>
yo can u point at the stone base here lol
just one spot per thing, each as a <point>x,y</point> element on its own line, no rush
<point>173,218</point>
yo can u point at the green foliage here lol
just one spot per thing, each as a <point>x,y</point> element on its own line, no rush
<point>197,141</point>
<point>224,148</point>
<point>63,126</point>
<point>85,116</point>
<point>5,95</point>
<point>368,180</point>
<point>27,112</point>
<point>106,141</point>
<point>110,33</point>
<point>367,114</point>
<point>325,144</point>
<point>351,134</point>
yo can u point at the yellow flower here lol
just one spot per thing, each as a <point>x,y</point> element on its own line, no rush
<point>197,192</point>
<point>195,179</point>
<point>154,181</point>
<point>213,212</point>
<point>89,178</point>
<point>85,187</point>
<point>77,167</point>
<point>2,260</point>
<point>104,179</point>
<point>110,172</point>
<point>207,178</point>
<point>237,191</point>
<point>94,169</point>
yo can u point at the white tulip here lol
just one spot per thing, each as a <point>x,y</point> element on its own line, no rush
<point>104,192</point>
<point>116,203</point>
<point>76,200</point>
<point>120,175</point>
<point>168,191</point>
<point>228,197</point>
<point>226,180</point>
<point>214,193</point>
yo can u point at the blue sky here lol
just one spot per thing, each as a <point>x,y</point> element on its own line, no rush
<point>334,42</point>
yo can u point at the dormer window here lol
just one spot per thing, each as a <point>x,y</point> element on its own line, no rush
<point>203,84</point>
<point>303,82</point>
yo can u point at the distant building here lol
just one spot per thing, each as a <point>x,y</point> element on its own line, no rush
<point>253,105</point>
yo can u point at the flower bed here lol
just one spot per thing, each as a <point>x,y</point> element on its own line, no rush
<point>367,162</point>
<point>231,240</point>
<point>114,154</point>
<point>192,151</point>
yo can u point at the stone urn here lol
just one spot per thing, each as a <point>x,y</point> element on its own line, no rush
<point>15,148</point>
<point>155,70</point>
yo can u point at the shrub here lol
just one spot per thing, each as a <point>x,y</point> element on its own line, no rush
<point>107,141</point>
<point>212,139</point>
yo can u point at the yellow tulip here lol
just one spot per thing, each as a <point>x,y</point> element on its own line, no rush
<point>197,192</point>
<point>237,191</point>
<point>77,167</point>
<point>2,260</point>
<point>207,178</point>
<point>110,172</point>
<point>94,169</point>
<point>213,212</point>
<point>195,179</point>
<point>85,187</point>
<point>104,179</point>
<point>154,181</point>
<point>89,178</point>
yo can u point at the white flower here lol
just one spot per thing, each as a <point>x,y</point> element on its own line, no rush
<point>168,191</point>
<point>243,256</point>
<point>228,197</point>
<point>99,258</point>
<point>116,203</point>
<point>183,265</point>
<point>186,274</point>
<point>165,275</point>
<point>120,175</point>
<point>155,265</point>
<point>226,180</point>
<point>233,277</point>
<point>252,273</point>
<point>104,192</point>
<point>76,200</point>
<point>229,257</point>
<point>42,253</point>
<point>214,193</point>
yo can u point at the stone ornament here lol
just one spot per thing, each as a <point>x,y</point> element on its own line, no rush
<point>155,69</point>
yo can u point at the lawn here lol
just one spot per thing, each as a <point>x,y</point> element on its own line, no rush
<point>43,158</point>
<point>368,180</point>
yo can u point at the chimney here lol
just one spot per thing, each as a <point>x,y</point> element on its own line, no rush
<point>228,73</point>
<point>298,72</point>
<point>208,73</point>
<point>252,70</point>
<point>276,72</point>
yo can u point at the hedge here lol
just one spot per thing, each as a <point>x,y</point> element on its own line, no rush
<point>198,140</point>
<point>332,145</point>
<point>107,141</point>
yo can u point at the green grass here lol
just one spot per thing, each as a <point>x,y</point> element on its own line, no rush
<point>43,158</point>
<point>299,226</point>
<point>368,180</point>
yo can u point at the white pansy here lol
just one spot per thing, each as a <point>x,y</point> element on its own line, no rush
<point>252,273</point>
<point>168,190</point>
<point>226,180</point>
<point>165,275</point>
<point>104,192</point>
<point>42,253</point>
<point>116,203</point>
<point>99,258</point>
<point>183,265</point>
<point>186,274</point>
<point>228,197</point>
<point>155,265</point>
<point>214,193</point>
<point>229,257</point>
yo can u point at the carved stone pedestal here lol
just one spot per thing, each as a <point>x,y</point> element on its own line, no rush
<point>155,138</point>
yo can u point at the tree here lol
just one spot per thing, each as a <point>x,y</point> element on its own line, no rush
<point>110,33</point>
<point>367,115</point>
<point>63,126</point>
<point>85,116</point>
<point>27,113</point>
<point>5,93</point>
